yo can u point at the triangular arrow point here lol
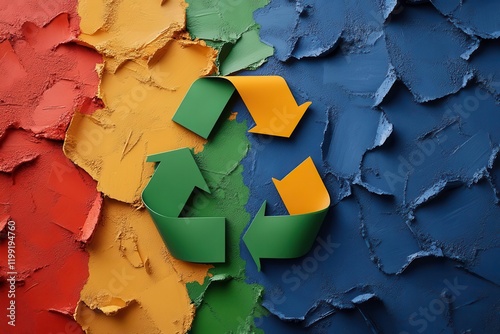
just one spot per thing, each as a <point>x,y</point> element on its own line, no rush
<point>305,105</point>
<point>251,244</point>
<point>159,158</point>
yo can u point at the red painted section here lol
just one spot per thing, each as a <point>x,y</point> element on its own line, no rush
<point>13,14</point>
<point>49,199</point>
<point>46,76</point>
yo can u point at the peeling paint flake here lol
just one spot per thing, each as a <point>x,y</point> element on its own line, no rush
<point>294,28</point>
<point>139,95</point>
<point>484,61</point>
<point>472,16</point>
<point>404,131</point>
<point>48,200</point>
<point>454,137</point>
<point>387,236</point>
<point>405,122</point>
<point>29,98</point>
<point>228,26</point>
<point>428,60</point>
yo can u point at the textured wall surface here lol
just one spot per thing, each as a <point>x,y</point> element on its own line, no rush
<point>404,129</point>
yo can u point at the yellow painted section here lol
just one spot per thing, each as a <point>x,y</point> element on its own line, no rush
<point>130,29</point>
<point>302,190</point>
<point>135,285</point>
<point>140,95</point>
<point>133,277</point>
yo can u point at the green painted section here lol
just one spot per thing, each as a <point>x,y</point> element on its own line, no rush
<point>248,53</point>
<point>229,27</point>
<point>229,307</point>
<point>226,303</point>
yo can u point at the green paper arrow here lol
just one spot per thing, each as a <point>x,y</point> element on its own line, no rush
<point>268,99</point>
<point>203,104</point>
<point>282,237</point>
<point>286,237</point>
<point>200,239</point>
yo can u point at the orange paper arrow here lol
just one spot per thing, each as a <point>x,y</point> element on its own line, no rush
<point>271,104</point>
<point>268,99</point>
<point>302,190</point>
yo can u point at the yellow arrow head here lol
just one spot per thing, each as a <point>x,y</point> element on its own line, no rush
<point>280,121</point>
<point>302,190</point>
<point>271,104</point>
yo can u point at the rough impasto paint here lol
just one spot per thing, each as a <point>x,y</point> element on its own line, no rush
<point>50,200</point>
<point>409,242</point>
<point>229,27</point>
<point>134,284</point>
<point>48,206</point>
<point>140,87</point>
<point>404,130</point>
<point>50,76</point>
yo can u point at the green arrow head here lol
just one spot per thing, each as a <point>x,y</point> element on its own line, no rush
<point>172,182</point>
<point>182,160</point>
<point>252,237</point>
<point>282,237</point>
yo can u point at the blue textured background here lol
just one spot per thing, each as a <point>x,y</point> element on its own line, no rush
<point>405,130</point>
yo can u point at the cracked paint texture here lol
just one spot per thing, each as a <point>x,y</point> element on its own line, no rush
<point>404,131</point>
<point>228,27</point>
<point>46,76</point>
<point>148,66</point>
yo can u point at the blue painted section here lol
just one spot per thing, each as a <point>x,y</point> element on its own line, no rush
<point>474,17</point>
<point>411,242</point>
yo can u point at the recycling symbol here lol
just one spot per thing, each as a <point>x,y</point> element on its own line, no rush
<point>203,239</point>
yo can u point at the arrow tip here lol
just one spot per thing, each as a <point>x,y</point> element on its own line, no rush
<point>301,110</point>
<point>281,122</point>
<point>251,237</point>
<point>181,162</point>
<point>305,105</point>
